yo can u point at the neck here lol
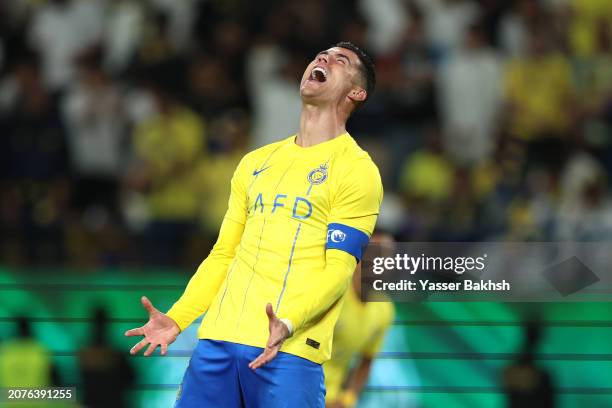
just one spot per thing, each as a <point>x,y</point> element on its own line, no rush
<point>319,124</point>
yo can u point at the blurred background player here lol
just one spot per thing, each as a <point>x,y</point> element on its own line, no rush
<point>104,368</point>
<point>358,336</point>
<point>527,383</point>
<point>25,362</point>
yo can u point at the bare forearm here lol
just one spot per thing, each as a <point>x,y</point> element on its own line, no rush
<point>359,376</point>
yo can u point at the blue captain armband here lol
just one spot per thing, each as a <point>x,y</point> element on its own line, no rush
<point>347,239</point>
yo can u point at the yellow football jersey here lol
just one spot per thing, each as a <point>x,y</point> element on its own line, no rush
<point>297,221</point>
<point>360,331</point>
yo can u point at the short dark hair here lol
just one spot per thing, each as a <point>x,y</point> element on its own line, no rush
<point>366,68</point>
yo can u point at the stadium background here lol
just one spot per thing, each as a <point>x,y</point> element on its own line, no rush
<point>121,123</point>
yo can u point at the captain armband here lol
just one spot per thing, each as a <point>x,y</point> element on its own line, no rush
<point>347,239</point>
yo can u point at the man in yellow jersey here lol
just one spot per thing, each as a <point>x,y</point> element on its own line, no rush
<point>358,337</point>
<point>300,212</point>
<point>24,361</point>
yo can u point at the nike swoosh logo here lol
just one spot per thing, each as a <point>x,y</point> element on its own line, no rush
<point>256,172</point>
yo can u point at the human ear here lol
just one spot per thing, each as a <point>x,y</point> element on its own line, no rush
<point>357,95</point>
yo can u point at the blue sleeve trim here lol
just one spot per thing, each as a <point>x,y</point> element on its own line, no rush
<point>347,239</point>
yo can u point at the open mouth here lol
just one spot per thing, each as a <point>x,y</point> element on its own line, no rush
<point>318,74</point>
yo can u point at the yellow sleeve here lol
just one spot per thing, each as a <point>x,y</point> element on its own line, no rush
<point>357,200</point>
<point>321,295</point>
<point>205,283</point>
<point>386,318</point>
<point>352,218</point>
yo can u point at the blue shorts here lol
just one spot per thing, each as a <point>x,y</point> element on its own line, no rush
<point>218,375</point>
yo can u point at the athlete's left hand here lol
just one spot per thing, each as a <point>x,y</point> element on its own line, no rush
<point>278,333</point>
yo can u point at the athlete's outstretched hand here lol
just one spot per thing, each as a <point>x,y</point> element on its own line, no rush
<point>278,333</point>
<point>160,330</point>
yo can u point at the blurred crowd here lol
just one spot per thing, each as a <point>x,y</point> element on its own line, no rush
<point>122,121</point>
<point>107,377</point>
<point>105,374</point>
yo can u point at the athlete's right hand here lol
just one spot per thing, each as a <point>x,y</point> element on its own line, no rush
<point>160,330</point>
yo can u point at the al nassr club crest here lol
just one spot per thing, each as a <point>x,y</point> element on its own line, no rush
<point>318,175</point>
